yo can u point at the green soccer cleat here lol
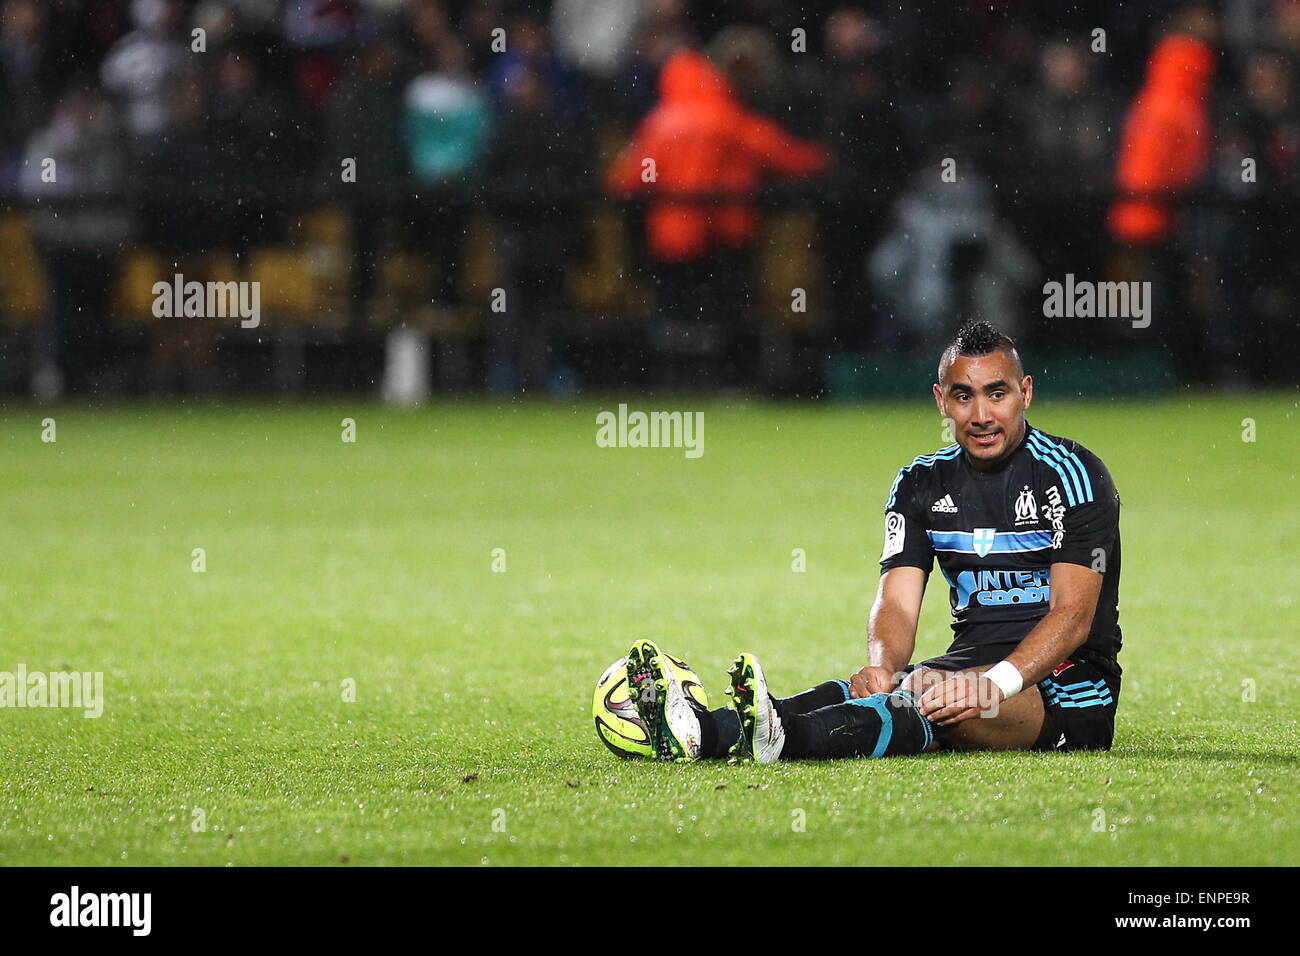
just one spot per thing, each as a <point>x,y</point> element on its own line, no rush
<point>664,701</point>
<point>762,737</point>
<point>618,724</point>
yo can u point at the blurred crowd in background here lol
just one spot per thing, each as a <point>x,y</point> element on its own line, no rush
<point>831,185</point>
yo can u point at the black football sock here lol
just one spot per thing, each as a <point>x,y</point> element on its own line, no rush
<point>719,729</point>
<point>815,698</point>
<point>882,725</point>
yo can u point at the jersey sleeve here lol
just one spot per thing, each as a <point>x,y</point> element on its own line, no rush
<point>1089,528</point>
<point>907,545</point>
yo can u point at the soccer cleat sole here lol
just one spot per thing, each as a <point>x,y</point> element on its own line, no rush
<point>742,701</point>
<point>641,690</point>
<point>648,679</point>
<point>670,747</point>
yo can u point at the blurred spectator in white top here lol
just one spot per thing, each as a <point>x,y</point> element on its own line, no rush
<point>596,36</point>
<point>145,66</point>
<point>950,258</point>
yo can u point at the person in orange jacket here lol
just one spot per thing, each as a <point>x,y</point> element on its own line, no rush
<point>699,157</point>
<point>1165,149</point>
<point>700,140</point>
<point>1167,137</point>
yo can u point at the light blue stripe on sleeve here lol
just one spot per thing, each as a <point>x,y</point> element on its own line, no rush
<point>1045,452</point>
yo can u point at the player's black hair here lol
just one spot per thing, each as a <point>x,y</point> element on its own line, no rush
<point>980,338</point>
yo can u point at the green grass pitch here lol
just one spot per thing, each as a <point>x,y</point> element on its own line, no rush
<point>226,738</point>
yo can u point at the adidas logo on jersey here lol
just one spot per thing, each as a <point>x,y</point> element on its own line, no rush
<point>944,505</point>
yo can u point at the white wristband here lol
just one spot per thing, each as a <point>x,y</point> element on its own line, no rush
<point>1008,679</point>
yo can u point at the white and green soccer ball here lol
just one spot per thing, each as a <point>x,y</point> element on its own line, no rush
<point>618,725</point>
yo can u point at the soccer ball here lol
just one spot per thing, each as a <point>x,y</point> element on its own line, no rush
<point>618,725</point>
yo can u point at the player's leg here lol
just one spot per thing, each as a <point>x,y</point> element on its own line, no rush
<point>1021,723</point>
<point>679,727</point>
<point>825,694</point>
<point>720,729</point>
<point>877,726</point>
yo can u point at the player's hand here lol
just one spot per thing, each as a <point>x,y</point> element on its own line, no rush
<point>871,680</point>
<point>959,698</point>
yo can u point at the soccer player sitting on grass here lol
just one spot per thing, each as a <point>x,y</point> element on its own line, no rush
<point>1025,527</point>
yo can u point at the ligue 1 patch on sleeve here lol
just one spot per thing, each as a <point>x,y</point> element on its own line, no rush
<point>895,532</point>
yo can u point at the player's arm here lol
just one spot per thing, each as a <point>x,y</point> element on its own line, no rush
<point>905,562</point>
<point>891,630</point>
<point>1064,627</point>
<point>1081,555</point>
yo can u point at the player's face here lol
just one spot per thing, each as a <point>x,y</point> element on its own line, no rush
<point>986,402</point>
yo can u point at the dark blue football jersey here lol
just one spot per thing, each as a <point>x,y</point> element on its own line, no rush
<point>996,535</point>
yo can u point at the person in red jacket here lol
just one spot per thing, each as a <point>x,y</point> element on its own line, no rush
<point>699,157</point>
<point>1165,150</point>
<point>1166,143</point>
<point>699,140</point>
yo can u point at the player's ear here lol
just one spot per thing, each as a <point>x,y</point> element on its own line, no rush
<point>938,400</point>
<point>1027,387</point>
